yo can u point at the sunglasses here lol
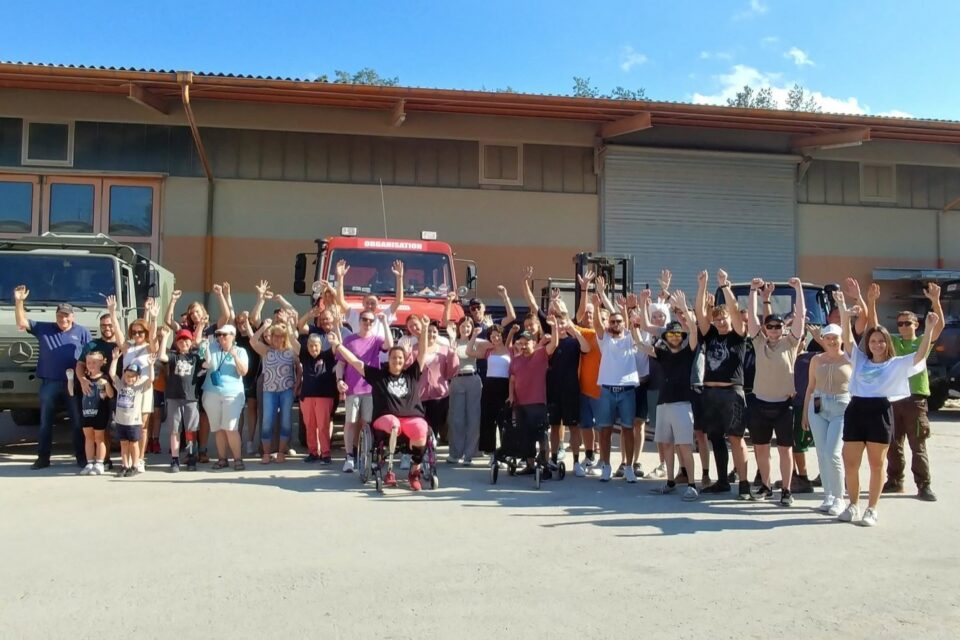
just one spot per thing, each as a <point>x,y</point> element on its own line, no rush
<point>221,335</point>
<point>773,327</point>
<point>673,334</point>
<point>368,319</point>
<point>904,323</point>
<point>138,333</point>
<point>616,321</point>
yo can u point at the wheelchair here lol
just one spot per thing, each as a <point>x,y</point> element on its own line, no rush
<point>373,456</point>
<point>510,451</point>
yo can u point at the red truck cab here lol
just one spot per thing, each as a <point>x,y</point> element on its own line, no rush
<point>429,273</point>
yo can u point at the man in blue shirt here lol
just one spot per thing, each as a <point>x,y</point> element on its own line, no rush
<point>60,345</point>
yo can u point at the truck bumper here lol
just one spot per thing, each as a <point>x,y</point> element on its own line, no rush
<point>19,390</point>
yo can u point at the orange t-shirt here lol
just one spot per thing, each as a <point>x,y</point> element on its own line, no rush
<point>590,365</point>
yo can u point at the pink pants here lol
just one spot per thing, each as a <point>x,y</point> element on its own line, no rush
<point>316,416</point>
<point>414,428</point>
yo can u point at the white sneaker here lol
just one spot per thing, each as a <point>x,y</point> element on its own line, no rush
<point>578,470</point>
<point>348,465</point>
<point>660,471</point>
<point>837,507</point>
<point>690,494</point>
<point>629,475</point>
<point>98,469</point>
<point>606,472</point>
<point>291,451</point>
<point>850,514</point>
<point>249,449</point>
<point>592,466</point>
<point>141,466</point>
<point>405,462</point>
<point>87,470</point>
<point>826,504</point>
<point>869,518</point>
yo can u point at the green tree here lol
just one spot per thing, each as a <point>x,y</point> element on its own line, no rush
<point>583,89</point>
<point>364,76</point>
<point>748,98</point>
<point>619,93</point>
<point>799,100</point>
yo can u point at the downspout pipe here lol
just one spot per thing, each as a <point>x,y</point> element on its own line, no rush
<point>185,79</point>
<point>953,204</point>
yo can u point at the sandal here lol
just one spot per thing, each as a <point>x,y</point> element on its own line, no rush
<point>239,466</point>
<point>220,464</point>
<point>265,459</point>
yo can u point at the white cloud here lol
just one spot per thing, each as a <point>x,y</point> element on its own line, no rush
<point>716,55</point>
<point>896,113</point>
<point>740,75</point>
<point>757,8</point>
<point>799,57</point>
<point>630,58</point>
<point>769,40</point>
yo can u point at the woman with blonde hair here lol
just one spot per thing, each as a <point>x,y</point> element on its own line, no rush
<point>279,367</point>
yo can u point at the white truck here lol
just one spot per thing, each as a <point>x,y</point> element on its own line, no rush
<point>80,269</point>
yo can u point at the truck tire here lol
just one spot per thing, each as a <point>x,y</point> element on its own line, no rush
<point>938,397</point>
<point>25,417</point>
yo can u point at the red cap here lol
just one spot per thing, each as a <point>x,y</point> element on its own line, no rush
<point>184,334</point>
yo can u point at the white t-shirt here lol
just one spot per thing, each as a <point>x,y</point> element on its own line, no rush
<point>378,329</point>
<point>890,379</point>
<point>618,364</point>
<point>642,359</point>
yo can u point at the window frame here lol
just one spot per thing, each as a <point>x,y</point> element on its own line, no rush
<point>48,184</point>
<point>26,161</point>
<point>35,206</point>
<point>154,238</point>
<point>893,180</point>
<point>502,181</point>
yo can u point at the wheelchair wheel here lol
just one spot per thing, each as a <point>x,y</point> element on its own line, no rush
<point>434,480</point>
<point>363,455</point>
<point>561,470</point>
<point>378,478</point>
<point>512,467</point>
<point>494,472</point>
<point>537,477</point>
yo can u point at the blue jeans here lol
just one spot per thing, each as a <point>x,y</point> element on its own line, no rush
<point>616,407</point>
<point>827,428</point>
<point>53,393</point>
<point>274,401</point>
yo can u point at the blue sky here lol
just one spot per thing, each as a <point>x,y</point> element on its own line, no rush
<point>869,56</point>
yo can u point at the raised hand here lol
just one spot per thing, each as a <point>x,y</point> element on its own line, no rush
<point>319,287</point>
<point>263,287</point>
<point>665,278</point>
<point>476,333</point>
<point>176,295</point>
<point>852,288</point>
<point>528,274</point>
<point>840,300</point>
<point>634,300</point>
<point>217,289</point>
<point>20,293</point>
<point>266,324</point>
<point>702,278</point>
<point>932,321</point>
<point>333,339</point>
<point>711,300</point>
<point>768,288</point>
<point>585,280</point>
<point>397,268</point>
<point>722,278</point>
<point>756,284</point>
<point>554,294</point>
<point>873,293</point>
<point>154,311</point>
<point>149,304</point>
<point>932,292</point>
<point>342,269</point>
<point>452,297</point>
<point>226,288</point>
<point>501,291</point>
<point>116,353</point>
<point>600,284</point>
<point>112,303</point>
<point>795,283</point>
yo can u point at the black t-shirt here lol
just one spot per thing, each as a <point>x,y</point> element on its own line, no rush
<point>253,362</point>
<point>674,373</point>
<point>183,373</point>
<point>319,378</point>
<point>94,408</point>
<point>565,364</point>
<point>725,355</point>
<point>395,395</point>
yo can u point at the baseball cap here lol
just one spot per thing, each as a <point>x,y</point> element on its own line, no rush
<point>65,307</point>
<point>474,302</point>
<point>183,334</point>
<point>773,317</point>
<point>133,367</point>
<point>228,329</point>
<point>524,335</point>
<point>831,330</point>
<point>673,327</point>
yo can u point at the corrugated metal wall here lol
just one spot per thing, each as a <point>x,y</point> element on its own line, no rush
<point>688,211</point>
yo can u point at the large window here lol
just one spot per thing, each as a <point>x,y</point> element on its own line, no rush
<point>126,209</point>
<point>79,280</point>
<point>424,275</point>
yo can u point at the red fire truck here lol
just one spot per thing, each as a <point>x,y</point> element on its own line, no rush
<point>429,273</point>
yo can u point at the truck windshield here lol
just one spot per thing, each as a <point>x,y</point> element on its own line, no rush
<point>426,275</point>
<point>80,280</point>
<point>782,302</point>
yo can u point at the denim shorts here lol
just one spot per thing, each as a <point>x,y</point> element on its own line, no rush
<point>617,405</point>
<point>588,411</point>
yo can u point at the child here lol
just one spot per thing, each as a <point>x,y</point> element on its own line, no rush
<point>132,388</point>
<point>94,409</point>
<point>183,368</point>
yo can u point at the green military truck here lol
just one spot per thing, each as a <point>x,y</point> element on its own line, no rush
<point>80,269</point>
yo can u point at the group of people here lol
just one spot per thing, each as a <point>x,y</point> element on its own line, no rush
<point>704,375</point>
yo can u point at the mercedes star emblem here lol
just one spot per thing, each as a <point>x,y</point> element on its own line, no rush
<point>21,352</point>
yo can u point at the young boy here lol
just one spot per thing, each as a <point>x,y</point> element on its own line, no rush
<point>132,388</point>
<point>183,367</point>
<point>94,410</point>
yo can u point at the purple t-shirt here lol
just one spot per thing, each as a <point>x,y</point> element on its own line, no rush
<point>367,351</point>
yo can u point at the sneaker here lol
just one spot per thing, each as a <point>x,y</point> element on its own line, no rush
<point>592,467</point>
<point>926,494</point>
<point>629,474</point>
<point>663,489</point>
<point>129,473</point>
<point>817,482</point>
<point>638,470</point>
<point>87,470</point>
<point>40,463</point>
<point>801,484</point>
<point>405,462</point>
<point>141,466</point>
<point>837,507</point>
<point>578,470</point>
<point>717,487</point>
<point>619,472</point>
<point>891,486</point>
<point>291,451</point>
<point>98,469</point>
<point>174,466</point>
<point>825,505</point>
<point>660,471</point>
<point>745,493</point>
<point>326,460</point>
<point>786,498</point>
<point>764,493</point>
<point>349,465</point>
<point>191,463</point>
<point>732,477</point>
<point>605,473</point>
<point>869,518</point>
<point>121,472</point>
<point>850,514</point>
<point>249,449</point>
<point>391,479</point>
<point>312,458</point>
<point>690,493</point>
<point>109,464</point>
<point>452,460</point>
<point>414,479</point>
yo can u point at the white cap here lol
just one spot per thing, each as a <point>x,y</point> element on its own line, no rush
<point>831,330</point>
<point>228,328</point>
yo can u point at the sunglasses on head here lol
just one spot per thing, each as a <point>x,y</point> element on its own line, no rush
<point>904,323</point>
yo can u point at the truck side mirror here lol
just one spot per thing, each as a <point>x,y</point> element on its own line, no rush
<point>153,283</point>
<point>300,274</point>
<point>471,276</point>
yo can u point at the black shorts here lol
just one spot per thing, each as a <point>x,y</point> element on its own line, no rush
<point>696,401</point>
<point>868,420</point>
<point>563,403</point>
<point>129,433</point>
<point>722,410</point>
<point>766,418</point>
<point>532,424</point>
<point>643,406</point>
